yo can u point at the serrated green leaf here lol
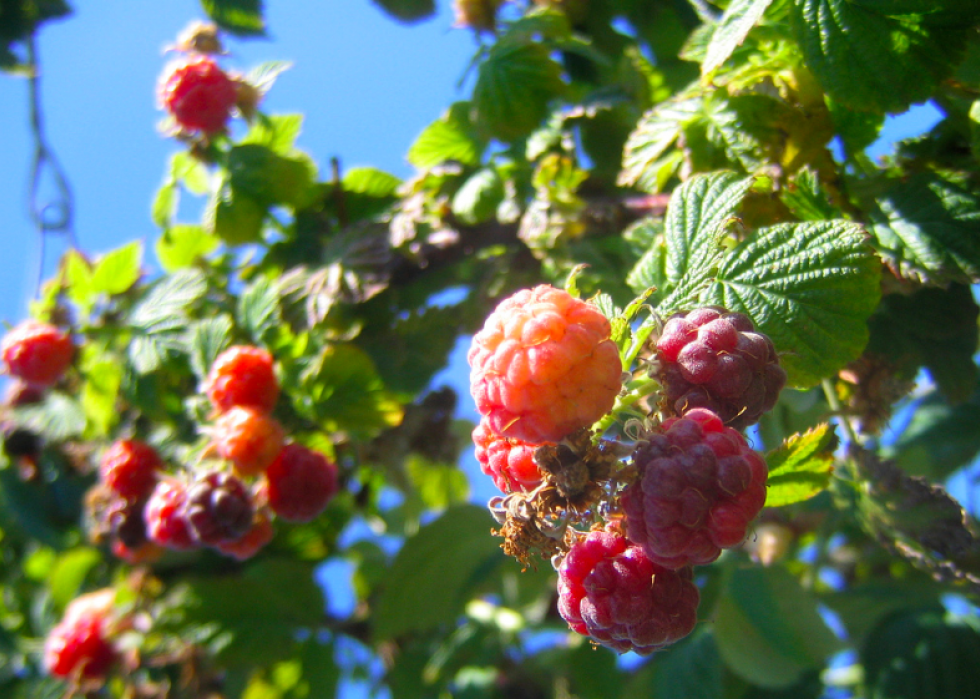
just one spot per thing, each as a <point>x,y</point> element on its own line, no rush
<point>657,130</point>
<point>166,304</point>
<point>78,279</point>
<point>408,10</point>
<point>205,340</point>
<point>116,271</point>
<point>801,466</point>
<point>871,60</point>
<point>513,87</point>
<point>270,178</point>
<point>57,418</point>
<point>929,229</point>
<point>693,232</point>
<point>768,629</point>
<point>277,132</point>
<point>477,199</point>
<point>182,245</point>
<point>810,287</point>
<point>807,200</point>
<point>452,136</point>
<point>739,18</point>
<point>241,17</point>
<point>258,307</point>
<point>453,554</point>
<point>263,76</point>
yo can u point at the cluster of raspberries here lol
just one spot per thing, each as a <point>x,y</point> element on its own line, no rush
<point>229,506</point>
<point>544,366</point>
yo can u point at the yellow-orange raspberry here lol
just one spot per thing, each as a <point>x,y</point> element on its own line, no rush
<point>543,366</point>
<point>249,439</point>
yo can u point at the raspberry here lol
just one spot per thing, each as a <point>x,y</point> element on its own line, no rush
<point>300,483</point>
<point>249,439</point>
<point>608,589</point>
<point>129,467</point>
<point>218,508</point>
<point>20,441</point>
<point>714,359</point>
<point>37,353</point>
<point>165,518</point>
<point>255,538</point>
<point>78,647</point>
<point>147,552</point>
<point>543,366</point>
<point>20,393</point>
<point>198,94</point>
<point>125,520</point>
<point>244,376</point>
<point>510,462</point>
<point>699,486</point>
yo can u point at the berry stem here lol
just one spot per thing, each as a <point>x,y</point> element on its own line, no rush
<point>837,409</point>
<point>636,390</point>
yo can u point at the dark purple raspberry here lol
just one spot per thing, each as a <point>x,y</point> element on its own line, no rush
<point>610,590</point>
<point>219,508</point>
<point>710,358</point>
<point>126,522</point>
<point>699,486</point>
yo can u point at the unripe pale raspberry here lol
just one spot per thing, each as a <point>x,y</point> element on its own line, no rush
<point>78,646</point>
<point>165,516</point>
<point>710,358</point>
<point>698,488</point>
<point>510,462</point>
<point>129,467</point>
<point>219,508</point>
<point>252,542</point>
<point>543,366</point>
<point>198,94</point>
<point>249,439</point>
<point>300,483</point>
<point>243,376</point>
<point>37,353</point>
<point>609,590</point>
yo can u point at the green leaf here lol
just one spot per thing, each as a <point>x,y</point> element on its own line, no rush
<point>116,271</point>
<point>810,287</point>
<point>164,206</point>
<point>452,555</point>
<point>183,245</point>
<point>206,339</point>
<point>438,485</point>
<point>235,220</point>
<point>477,199</point>
<point>370,181</point>
<point>693,232</point>
<point>262,77</point>
<point>807,199</point>
<point>691,670</point>
<point>801,466</point>
<point>190,172</point>
<point>258,307</point>
<point>452,136</point>
<point>277,132</point>
<point>408,10</point>
<point>871,60</point>
<point>103,378</point>
<point>78,278</point>
<point>644,164</point>
<point>513,88</point>
<point>768,628</point>
<point>241,17</point>
<point>940,438</point>
<point>739,18</point>
<point>168,300</point>
<point>69,573</point>
<point>929,230</point>
<point>57,418</point>
<point>269,178</point>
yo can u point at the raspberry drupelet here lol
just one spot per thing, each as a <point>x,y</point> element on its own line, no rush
<point>510,462</point>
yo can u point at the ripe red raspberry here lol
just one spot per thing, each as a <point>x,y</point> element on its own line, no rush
<point>37,353</point>
<point>129,467</point>
<point>165,517</point>
<point>255,538</point>
<point>300,483</point>
<point>510,462</point>
<point>608,589</point>
<point>244,376</point>
<point>714,359</point>
<point>78,646</point>
<point>198,94</point>
<point>699,486</point>
<point>543,366</point>
<point>219,508</point>
<point>249,439</point>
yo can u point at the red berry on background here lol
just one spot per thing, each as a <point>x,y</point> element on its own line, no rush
<point>249,439</point>
<point>609,590</point>
<point>129,467</point>
<point>243,376</point>
<point>166,523</point>
<point>252,542</point>
<point>37,353</point>
<point>219,508</point>
<point>710,358</point>
<point>300,483</point>
<point>78,647</point>
<point>198,94</point>
<point>510,462</point>
<point>699,486</point>
<point>543,366</point>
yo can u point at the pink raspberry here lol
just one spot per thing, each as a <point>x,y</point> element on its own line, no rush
<point>37,353</point>
<point>78,646</point>
<point>699,486</point>
<point>198,94</point>
<point>300,483</point>
<point>165,518</point>
<point>714,359</point>
<point>608,589</point>
<point>243,376</point>
<point>543,366</point>
<point>219,508</point>
<point>249,439</point>
<point>510,462</point>
<point>129,467</point>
